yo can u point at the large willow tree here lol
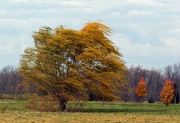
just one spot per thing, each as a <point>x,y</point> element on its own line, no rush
<point>71,63</point>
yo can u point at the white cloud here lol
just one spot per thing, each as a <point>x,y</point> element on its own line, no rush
<point>3,12</point>
<point>8,48</point>
<point>116,14</point>
<point>146,2</point>
<point>146,54</point>
<point>171,42</point>
<point>18,1</point>
<point>73,3</point>
<point>139,13</point>
<point>175,31</point>
<point>13,43</point>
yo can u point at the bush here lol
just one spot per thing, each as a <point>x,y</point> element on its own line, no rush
<point>151,100</point>
<point>7,96</point>
<point>12,96</point>
<point>43,103</point>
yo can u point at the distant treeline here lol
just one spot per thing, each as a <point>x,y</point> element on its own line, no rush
<point>11,82</point>
<point>154,79</point>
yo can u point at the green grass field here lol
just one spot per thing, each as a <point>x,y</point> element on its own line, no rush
<point>14,111</point>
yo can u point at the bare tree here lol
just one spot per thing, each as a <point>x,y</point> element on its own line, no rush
<point>4,79</point>
<point>173,72</point>
<point>9,80</point>
<point>135,74</point>
<point>155,81</point>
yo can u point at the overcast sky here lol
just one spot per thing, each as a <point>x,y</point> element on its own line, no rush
<point>147,32</point>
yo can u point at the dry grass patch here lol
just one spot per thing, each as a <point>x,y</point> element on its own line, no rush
<point>55,117</point>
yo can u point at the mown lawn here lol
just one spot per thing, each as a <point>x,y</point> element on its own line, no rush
<point>12,111</point>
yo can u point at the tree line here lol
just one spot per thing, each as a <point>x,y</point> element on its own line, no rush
<point>10,79</point>
<point>155,80</point>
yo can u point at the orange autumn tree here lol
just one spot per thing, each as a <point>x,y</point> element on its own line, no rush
<point>141,89</point>
<point>167,93</point>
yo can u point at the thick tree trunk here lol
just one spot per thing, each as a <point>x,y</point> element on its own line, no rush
<point>63,107</point>
<point>63,104</point>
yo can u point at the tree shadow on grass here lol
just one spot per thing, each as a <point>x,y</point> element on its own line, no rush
<point>114,110</point>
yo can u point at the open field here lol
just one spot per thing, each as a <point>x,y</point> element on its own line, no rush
<point>91,112</point>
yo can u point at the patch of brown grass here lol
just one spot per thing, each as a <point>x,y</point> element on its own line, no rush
<point>44,103</point>
<point>58,117</point>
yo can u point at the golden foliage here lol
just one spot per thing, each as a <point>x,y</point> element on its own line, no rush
<point>73,63</point>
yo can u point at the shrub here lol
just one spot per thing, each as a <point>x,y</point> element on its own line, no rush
<point>43,103</point>
<point>151,100</point>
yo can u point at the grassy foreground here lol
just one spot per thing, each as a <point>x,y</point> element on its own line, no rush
<point>12,111</point>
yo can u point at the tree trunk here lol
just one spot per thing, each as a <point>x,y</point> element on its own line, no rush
<point>139,101</point>
<point>62,103</point>
<point>63,107</point>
